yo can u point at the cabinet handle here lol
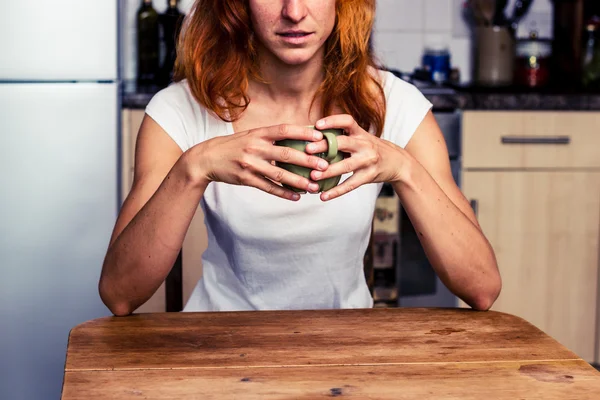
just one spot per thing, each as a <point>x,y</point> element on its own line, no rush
<point>475,206</point>
<point>536,139</point>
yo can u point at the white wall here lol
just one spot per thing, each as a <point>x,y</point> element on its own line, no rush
<point>402,29</point>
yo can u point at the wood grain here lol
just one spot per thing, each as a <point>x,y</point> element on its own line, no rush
<point>562,380</point>
<point>482,146</point>
<point>544,227</point>
<point>296,338</point>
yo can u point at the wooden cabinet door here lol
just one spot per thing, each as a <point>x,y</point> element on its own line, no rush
<point>530,139</point>
<point>195,242</point>
<point>543,226</point>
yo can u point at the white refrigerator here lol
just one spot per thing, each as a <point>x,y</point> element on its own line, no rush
<point>59,146</point>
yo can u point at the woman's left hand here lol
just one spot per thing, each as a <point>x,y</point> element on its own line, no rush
<point>370,158</point>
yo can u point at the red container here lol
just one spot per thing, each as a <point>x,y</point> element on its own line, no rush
<point>533,58</point>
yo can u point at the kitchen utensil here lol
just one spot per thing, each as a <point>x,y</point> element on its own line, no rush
<point>521,8</point>
<point>473,13</point>
<point>499,14</point>
<point>484,11</point>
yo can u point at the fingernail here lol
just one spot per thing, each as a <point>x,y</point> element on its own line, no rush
<point>317,175</point>
<point>310,147</point>
<point>313,187</point>
<point>323,164</point>
<point>295,196</point>
<point>317,135</point>
<point>320,123</point>
<point>325,196</point>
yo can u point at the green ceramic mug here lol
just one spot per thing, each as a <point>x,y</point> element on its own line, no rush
<point>332,156</point>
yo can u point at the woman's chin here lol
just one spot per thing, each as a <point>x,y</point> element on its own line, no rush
<point>296,58</point>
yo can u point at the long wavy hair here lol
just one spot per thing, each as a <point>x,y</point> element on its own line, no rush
<point>217,55</point>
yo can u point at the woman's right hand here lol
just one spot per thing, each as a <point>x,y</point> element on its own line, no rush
<point>246,158</point>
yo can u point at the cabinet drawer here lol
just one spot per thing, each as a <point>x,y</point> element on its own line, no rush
<point>532,139</point>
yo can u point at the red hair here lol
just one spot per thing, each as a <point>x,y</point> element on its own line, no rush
<point>217,55</point>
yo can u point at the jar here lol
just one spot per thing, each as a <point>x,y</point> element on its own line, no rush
<point>533,57</point>
<point>436,60</point>
<point>494,56</point>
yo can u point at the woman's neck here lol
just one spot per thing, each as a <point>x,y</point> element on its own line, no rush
<point>291,86</point>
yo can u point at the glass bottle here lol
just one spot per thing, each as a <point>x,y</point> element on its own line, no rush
<point>591,54</point>
<point>171,22</point>
<point>148,40</point>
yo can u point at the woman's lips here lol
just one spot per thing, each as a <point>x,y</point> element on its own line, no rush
<point>295,37</point>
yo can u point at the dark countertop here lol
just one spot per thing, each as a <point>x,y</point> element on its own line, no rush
<point>520,98</point>
<point>461,97</point>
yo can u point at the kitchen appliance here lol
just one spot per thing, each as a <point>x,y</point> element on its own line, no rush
<point>59,140</point>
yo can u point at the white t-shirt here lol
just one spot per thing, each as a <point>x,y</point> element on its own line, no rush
<point>268,253</point>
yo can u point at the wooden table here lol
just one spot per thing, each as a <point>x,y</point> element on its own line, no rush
<point>374,354</point>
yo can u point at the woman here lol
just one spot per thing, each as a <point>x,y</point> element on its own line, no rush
<point>253,72</point>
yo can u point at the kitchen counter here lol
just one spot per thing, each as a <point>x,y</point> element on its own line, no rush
<point>461,97</point>
<point>516,98</point>
<point>368,353</point>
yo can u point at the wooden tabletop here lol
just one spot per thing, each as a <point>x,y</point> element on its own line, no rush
<point>372,353</point>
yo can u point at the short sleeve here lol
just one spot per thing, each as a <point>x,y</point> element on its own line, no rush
<point>406,108</point>
<point>177,112</point>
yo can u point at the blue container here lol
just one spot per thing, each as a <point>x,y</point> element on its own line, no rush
<point>437,62</point>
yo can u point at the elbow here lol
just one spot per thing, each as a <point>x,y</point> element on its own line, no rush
<point>485,297</point>
<point>119,308</point>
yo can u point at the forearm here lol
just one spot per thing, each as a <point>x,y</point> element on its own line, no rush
<point>454,245</point>
<point>141,257</point>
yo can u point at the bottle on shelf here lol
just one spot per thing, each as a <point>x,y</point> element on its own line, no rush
<point>148,42</point>
<point>171,22</point>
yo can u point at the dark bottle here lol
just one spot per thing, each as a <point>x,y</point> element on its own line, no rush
<point>148,40</point>
<point>171,22</point>
<point>591,54</point>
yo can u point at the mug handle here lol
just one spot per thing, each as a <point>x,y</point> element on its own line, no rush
<point>332,145</point>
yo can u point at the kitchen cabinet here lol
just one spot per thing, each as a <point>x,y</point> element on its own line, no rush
<point>534,180</point>
<point>196,239</point>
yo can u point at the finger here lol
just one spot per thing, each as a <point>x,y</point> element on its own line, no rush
<point>296,157</point>
<point>346,144</point>
<point>270,187</point>
<point>280,175</point>
<point>287,131</point>
<point>318,147</point>
<point>347,165</point>
<point>347,186</point>
<point>342,121</point>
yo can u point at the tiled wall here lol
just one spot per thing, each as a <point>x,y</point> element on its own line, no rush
<point>402,29</point>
